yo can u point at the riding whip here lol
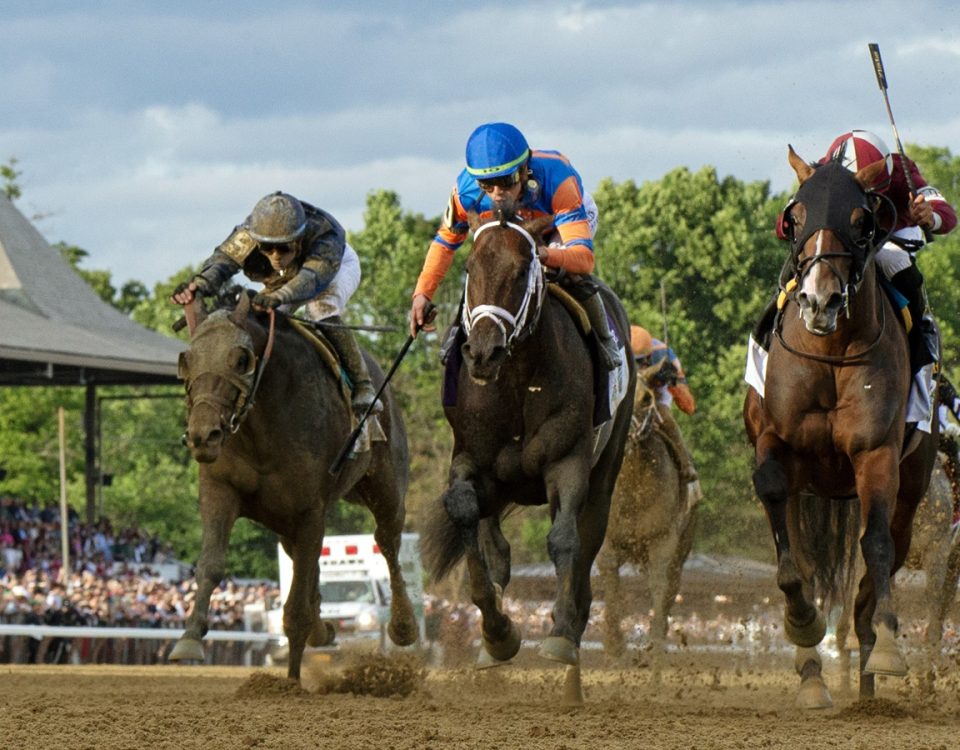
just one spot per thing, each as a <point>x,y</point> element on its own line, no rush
<point>882,83</point>
<point>663,310</point>
<point>352,438</point>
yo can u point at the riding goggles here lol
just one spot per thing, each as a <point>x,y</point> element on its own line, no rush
<point>506,182</point>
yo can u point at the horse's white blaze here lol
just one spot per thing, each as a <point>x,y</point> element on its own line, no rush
<point>811,281</point>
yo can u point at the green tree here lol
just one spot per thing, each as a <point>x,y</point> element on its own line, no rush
<point>9,174</point>
<point>709,241</point>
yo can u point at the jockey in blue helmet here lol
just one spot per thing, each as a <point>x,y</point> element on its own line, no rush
<point>503,172</point>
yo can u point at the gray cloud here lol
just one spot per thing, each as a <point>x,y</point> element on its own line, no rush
<point>147,131</point>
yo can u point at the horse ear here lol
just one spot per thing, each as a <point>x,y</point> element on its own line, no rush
<point>239,314</point>
<point>867,176</point>
<point>539,225</point>
<point>473,219</point>
<point>802,169</point>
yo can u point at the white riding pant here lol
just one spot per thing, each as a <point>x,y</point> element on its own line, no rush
<point>333,300</point>
<point>892,258</point>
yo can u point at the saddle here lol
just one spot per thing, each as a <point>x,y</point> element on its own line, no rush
<point>372,429</point>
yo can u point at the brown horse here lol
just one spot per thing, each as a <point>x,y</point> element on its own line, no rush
<point>831,424</point>
<point>651,522</point>
<point>523,430</point>
<point>290,419</point>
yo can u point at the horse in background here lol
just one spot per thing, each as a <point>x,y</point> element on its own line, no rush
<point>831,425</point>
<point>651,523</point>
<point>524,434</point>
<point>265,434</point>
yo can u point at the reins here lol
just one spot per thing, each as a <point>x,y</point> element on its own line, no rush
<point>241,411</point>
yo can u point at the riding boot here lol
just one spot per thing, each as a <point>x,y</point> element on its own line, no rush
<point>606,344</point>
<point>923,339</point>
<point>671,431</point>
<point>353,363</point>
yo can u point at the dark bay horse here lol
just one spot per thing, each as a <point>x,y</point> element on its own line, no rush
<point>274,469</point>
<point>523,434</point>
<point>651,522</point>
<point>831,425</point>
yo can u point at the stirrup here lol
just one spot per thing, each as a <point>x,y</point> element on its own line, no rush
<point>361,399</point>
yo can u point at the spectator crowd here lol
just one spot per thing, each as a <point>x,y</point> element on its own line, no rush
<point>113,581</point>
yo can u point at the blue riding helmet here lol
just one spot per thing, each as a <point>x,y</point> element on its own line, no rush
<point>496,149</point>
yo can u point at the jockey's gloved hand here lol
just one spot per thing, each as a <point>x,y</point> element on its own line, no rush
<point>204,286</point>
<point>266,301</point>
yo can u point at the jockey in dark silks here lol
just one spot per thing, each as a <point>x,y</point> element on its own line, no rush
<point>502,171</point>
<point>301,255</point>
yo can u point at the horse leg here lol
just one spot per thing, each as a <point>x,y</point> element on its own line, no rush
<point>804,624</point>
<point>880,655</point>
<point>218,512</point>
<point>301,611</point>
<point>382,495</point>
<point>501,640</point>
<point>574,540</point>
<point>608,563</point>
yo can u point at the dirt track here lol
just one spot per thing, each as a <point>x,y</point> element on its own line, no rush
<point>723,700</point>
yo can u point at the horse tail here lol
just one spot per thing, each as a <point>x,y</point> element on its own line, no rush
<point>829,529</point>
<point>441,544</point>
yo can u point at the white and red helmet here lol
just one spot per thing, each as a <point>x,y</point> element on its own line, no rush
<point>858,149</point>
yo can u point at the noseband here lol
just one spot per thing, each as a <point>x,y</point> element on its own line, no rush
<point>525,318</point>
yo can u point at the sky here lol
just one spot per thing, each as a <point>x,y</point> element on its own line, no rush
<point>145,131</point>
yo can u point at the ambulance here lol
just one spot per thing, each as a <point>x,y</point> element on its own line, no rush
<point>355,588</point>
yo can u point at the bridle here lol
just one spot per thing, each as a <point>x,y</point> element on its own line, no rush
<point>865,247</point>
<point>246,384</point>
<point>524,320</point>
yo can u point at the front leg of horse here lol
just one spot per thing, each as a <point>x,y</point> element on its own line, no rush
<point>218,513</point>
<point>501,639</point>
<point>567,484</point>
<point>804,624</point>
<point>880,653</point>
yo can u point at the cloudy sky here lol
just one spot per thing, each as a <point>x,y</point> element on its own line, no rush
<point>146,130</point>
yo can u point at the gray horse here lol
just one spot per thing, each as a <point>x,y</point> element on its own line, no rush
<point>290,418</point>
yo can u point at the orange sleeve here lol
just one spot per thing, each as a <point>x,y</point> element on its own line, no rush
<point>435,267</point>
<point>574,259</point>
<point>683,397</point>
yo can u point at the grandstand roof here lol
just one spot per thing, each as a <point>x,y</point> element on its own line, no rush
<point>55,330</point>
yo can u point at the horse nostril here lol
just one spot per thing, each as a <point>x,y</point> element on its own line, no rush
<point>214,437</point>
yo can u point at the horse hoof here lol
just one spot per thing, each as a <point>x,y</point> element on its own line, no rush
<point>809,635</point>
<point>558,648</point>
<point>885,658</point>
<point>813,694</point>
<point>322,634</point>
<point>186,649</point>
<point>506,649</point>
<point>403,633</point>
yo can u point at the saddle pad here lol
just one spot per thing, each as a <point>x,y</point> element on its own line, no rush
<point>575,309</point>
<point>326,351</point>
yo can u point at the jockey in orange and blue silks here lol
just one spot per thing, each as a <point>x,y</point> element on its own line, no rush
<point>670,383</point>
<point>502,171</point>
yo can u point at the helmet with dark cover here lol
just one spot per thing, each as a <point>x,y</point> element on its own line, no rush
<point>496,149</point>
<point>277,219</point>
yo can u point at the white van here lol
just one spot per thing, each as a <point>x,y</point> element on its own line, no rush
<point>355,587</point>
